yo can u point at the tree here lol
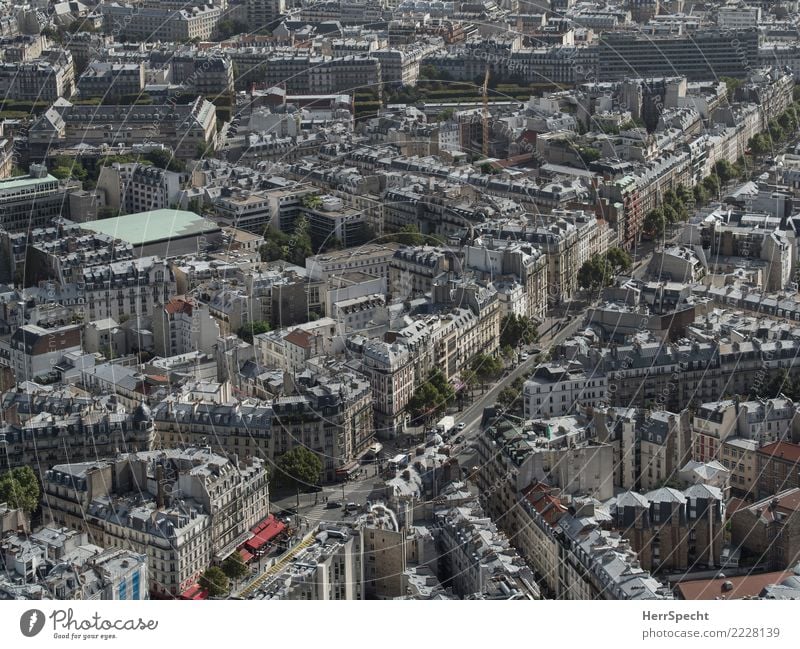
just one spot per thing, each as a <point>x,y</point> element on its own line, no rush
<point>732,85</point>
<point>425,403</point>
<point>507,397</point>
<point>619,260</point>
<point>215,582</point>
<point>780,384</point>
<point>760,144</point>
<point>20,489</point>
<point>431,398</point>
<point>711,184</point>
<point>671,215</point>
<point>311,201</point>
<point>251,329</point>
<point>409,235</point>
<point>486,367</point>
<point>594,273</point>
<point>701,195</point>
<point>165,159</point>
<point>588,154</point>
<point>516,330</point>
<point>300,242</point>
<point>300,468</point>
<point>725,170</point>
<point>654,223</point>
<point>234,566</point>
<point>684,195</point>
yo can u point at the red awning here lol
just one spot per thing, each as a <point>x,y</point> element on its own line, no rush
<point>194,592</point>
<point>348,468</point>
<point>246,556</point>
<point>264,532</point>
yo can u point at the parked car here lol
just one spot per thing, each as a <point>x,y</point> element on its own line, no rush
<point>351,507</point>
<point>459,439</point>
<point>523,356</point>
<point>333,504</point>
<point>461,426</point>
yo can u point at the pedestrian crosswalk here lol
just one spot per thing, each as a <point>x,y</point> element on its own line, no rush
<point>307,540</point>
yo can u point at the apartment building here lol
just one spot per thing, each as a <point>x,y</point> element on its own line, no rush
<point>60,564</point>
<point>769,530</point>
<point>185,128</point>
<point>502,262</point>
<point>555,390</point>
<point>391,373</point>
<point>184,509</point>
<point>372,259</point>
<point>183,325</point>
<point>778,467</point>
<point>479,561</point>
<point>131,188</point>
<point>333,418</point>
<point>79,432</point>
<point>764,421</point>
<point>150,23</point>
<point>111,81</point>
<point>46,78</point>
<point>672,530</point>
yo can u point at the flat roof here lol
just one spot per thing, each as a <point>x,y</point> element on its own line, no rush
<point>16,182</point>
<point>156,225</point>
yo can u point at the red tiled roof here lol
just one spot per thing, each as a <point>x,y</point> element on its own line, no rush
<point>264,532</point>
<point>178,306</point>
<point>299,337</point>
<point>541,497</point>
<point>740,587</point>
<point>783,450</point>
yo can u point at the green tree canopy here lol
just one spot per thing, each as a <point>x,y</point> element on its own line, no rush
<point>234,566</point>
<point>251,329</point>
<point>595,273</point>
<point>20,489</point>
<point>486,367</point>
<point>516,330</point>
<point>654,223</point>
<point>619,260</point>
<point>431,398</point>
<point>215,581</point>
<point>300,468</point>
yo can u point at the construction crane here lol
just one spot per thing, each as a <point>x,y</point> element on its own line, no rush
<point>486,113</point>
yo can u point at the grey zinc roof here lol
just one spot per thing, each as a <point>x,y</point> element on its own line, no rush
<point>666,495</point>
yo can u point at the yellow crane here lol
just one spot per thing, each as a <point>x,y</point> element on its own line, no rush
<point>486,113</point>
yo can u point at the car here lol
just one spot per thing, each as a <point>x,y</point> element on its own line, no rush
<point>459,439</point>
<point>461,426</point>
<point>523,356</point>
<point>350,507</point>
<point>333,504</point>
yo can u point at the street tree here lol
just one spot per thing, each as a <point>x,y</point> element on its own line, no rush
<point>619,260</point>
<point>299,468</point>
<point>594,273</point>
<point>234,566</point>
<point>517,330</point>
<point>654,223</point>
<point>215,582</point>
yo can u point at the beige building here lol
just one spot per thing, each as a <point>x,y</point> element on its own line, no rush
<point>184,509</point>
